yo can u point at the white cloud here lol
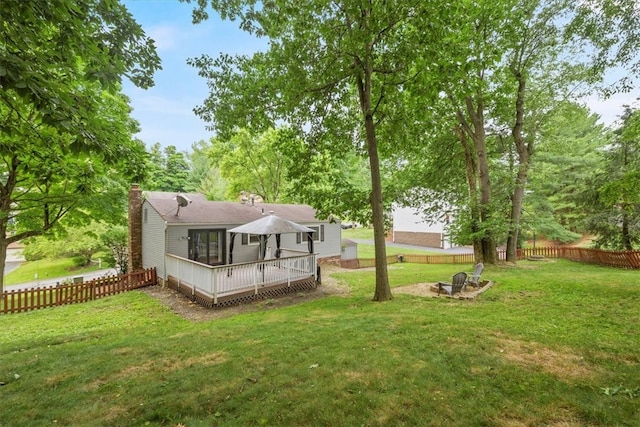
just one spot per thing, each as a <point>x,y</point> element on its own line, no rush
<point>611,109</point>
<point>166,36</point>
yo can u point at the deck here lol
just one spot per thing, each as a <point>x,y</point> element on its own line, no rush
<point>219,286</point>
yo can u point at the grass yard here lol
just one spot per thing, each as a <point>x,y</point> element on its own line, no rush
<point>551,343</point>
<point>366,251</point>
<point>364,233</point>
<point>46,269</point>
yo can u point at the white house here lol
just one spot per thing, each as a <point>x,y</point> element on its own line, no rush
<point>409,227</point>
<point>195,228</point>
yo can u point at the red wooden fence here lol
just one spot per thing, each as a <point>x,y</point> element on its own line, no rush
<point>627,259</point>
<point>16,301</point>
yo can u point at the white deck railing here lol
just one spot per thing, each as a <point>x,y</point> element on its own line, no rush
<point>217,281</point>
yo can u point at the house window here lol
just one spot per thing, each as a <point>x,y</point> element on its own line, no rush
<point>145,215</point>
<point>207,246</point>
<point>250,239</point>
<point>318,235</point>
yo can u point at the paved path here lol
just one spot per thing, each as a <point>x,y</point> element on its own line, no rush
<point>49,281</point>
<point>15,258</point>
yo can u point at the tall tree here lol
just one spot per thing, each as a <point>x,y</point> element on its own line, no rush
<point>549,61</point>
<point>569,151</point>
<point>612,198</point>
<point>169,169</point>
<point>65,132</point>
<point>541,68</point>
<point>463,66</point>
<point>203,171</point>
<point>175,171</point>
<point>115,238</point>
<point>335,71</point>
<point>254,164</point>
<point>504,71</point>
<point>50,49</point>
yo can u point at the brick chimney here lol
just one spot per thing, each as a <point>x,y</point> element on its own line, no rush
<point>135,228</point>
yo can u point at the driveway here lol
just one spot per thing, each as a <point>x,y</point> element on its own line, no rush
<point>13,261</point>
<point>15,258</point>
<point>50,281</point>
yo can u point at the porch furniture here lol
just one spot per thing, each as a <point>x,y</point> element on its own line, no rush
<point>457,283</point>
<point>475,276</point>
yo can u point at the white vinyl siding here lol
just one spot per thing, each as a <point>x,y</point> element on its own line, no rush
<point>178,240</point>
<point>153,242</point>
<point>174,240</point>
<point>330,247</point>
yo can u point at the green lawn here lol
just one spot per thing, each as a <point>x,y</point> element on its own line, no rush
<point>367,250</point>
<point>46,269</point>
<point>358,233</point>
<point>551,343</point>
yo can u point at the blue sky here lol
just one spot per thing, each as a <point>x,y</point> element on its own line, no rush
<point>165,112</point>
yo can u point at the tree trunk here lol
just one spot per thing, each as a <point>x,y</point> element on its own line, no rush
<point>514,224</point>
<point>383,290</point>
<point>471,172</point>
<point>524,160</point>
<point>3,258</point>
<point>626,235</point>
<point>477,168</point>
<point>5,211</point>
<point>487,241</point>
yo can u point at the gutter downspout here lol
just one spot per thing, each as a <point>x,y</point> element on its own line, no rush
<point>164,256</point>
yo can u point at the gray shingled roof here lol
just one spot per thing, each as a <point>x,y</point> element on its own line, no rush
<point>164,195</point>
<point>202,211</point>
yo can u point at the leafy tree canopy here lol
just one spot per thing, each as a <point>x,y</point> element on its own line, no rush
<point>611,197</point>
<point>66,145</point>
<point>204,178</point>
<point>254,164</point>
<point>51,49</point>
<point>169,170</point>
<point>115,238</point>
<point>335,72</point>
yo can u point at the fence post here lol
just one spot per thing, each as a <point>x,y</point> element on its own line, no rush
<point>214,286</point>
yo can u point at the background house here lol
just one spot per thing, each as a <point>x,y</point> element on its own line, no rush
<point>409,227</point>
<point>199,230</point>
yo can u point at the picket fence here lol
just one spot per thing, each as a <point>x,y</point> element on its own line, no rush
<point>623,259</point>
<point>16,301</point>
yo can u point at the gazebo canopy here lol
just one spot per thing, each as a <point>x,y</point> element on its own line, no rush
<point>266,226</point>
<point>270,224</point>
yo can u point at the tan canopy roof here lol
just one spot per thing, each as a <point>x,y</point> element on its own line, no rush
<point>271,224</point>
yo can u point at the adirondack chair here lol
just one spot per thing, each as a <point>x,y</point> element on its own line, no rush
<point>457,283</point>
<point>475,276</point>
